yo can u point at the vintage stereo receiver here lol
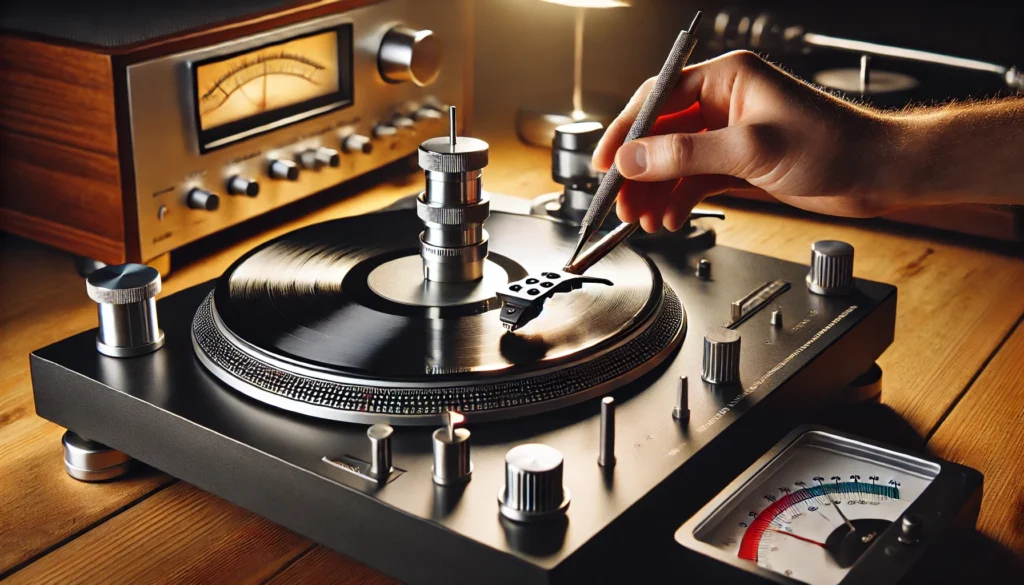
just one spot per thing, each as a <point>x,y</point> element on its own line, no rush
<point>124,142</point>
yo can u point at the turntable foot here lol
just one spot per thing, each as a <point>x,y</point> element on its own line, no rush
<point>867,387</point>
<point>87,460</point>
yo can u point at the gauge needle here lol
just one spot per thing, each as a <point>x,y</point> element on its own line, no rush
<point>843,516</point>
<point>821,544</point>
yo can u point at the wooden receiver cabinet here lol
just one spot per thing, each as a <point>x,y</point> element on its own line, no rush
<point>101,128</point>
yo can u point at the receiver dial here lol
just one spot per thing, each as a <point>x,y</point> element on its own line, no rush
<point>409,55</point>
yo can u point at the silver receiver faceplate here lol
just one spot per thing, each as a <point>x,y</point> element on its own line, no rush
<point>168,164</point>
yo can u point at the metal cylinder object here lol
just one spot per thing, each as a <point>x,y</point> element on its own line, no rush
<point>452,464</point>
<point>606,453</point>
<point>533,484</point>
<point>704,269</point>
<point>831,272</point>
<point>409,55</point>
<point>571,154</point>
<point>453,207</point>
<point>681,410</point>
<point>721,363</point>
<point>126,297</point>
<point>380,450</point>
<point>87,460</point>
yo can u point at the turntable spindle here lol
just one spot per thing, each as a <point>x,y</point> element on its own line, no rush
<point>453,207</point>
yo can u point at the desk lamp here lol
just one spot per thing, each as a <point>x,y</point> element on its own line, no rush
<point>536,121</point>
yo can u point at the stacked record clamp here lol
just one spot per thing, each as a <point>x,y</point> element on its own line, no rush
<point>453,207</point>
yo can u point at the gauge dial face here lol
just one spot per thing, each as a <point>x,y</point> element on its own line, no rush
<point>267,79</point>
<point>814,510</point>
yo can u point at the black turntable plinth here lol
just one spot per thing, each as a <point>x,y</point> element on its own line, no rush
<point>267,378</point>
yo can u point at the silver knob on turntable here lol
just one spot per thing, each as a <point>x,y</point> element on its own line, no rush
<point>533,484</point>
<point>831,272</point>
<point>409,55</point>
<point>126,297</point>
<point>452,464</point>
<point>721,356</point>
<point>380,451</point>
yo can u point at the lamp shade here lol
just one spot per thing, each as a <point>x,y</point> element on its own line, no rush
<point>592,3</point>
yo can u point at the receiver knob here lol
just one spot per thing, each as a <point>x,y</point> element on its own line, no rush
<point>403,122</point>
<point>409,55</point>
<point>533,484</point>
<point>384,131</point>
<point>357,143</point>
<point>239,185</point>
<point>284,169</point>
<point>327,156</point>
<point>831,271</point>
<point>721,356</point>
<point>427,113</point>
<point>200,199</point>
<point>307,160</point>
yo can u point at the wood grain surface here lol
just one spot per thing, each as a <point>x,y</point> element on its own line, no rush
<point>956,307</point>
<point>60,171</point>
<point>986,431</point>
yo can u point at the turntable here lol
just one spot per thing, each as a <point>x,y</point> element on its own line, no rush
<point>531,456</point>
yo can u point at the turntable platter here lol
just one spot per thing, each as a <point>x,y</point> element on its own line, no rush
<point>336,321</point>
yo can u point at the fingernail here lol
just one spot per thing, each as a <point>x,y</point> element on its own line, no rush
<point>632,159</point>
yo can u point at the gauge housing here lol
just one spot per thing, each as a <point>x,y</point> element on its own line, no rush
<point>950,500</point>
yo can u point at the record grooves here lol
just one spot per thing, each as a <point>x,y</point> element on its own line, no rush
<point>295,324</point>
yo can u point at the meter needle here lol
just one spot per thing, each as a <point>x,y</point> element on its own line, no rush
<point>843,516</point>
<point>798,537</point>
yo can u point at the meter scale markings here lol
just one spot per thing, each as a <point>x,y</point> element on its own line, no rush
<point>778,516</point>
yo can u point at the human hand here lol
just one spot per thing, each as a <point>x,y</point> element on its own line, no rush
<point>738,123</point>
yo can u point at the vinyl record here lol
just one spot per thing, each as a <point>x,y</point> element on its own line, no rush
<point>335,320</point>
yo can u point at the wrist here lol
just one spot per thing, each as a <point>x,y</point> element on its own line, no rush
<point>902,163</point>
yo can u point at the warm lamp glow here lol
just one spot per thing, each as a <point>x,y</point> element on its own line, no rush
<point>591,3</point>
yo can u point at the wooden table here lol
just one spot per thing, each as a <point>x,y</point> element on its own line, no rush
<point>954,380</point>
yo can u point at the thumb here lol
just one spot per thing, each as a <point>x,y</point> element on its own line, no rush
<point>746,152</point>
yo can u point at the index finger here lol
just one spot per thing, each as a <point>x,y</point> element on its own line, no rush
<point>687,121</point>
<point>710,83</point>
<point>683,95</point>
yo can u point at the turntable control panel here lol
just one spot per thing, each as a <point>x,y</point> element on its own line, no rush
<point>227,132</point>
